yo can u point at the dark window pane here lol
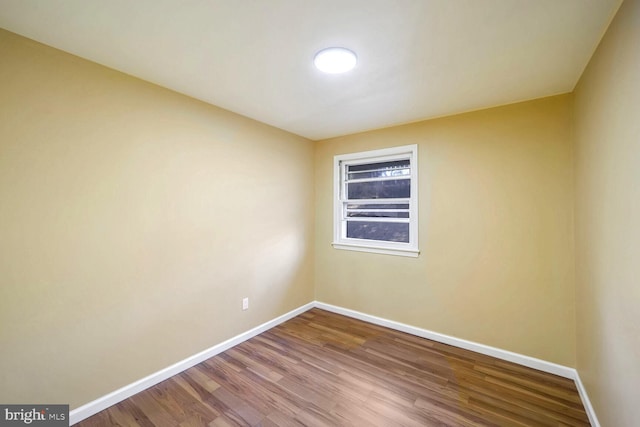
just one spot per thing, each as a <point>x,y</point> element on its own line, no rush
<point>391,189</point>
<point>384,231</point>
<point>383,173</point>
<point>379,170</point>
<point>369,214</point>
<point>378,206</point>
<point>396,164</point>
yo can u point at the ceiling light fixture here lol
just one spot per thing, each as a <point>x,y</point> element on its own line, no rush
<point>335,60</point>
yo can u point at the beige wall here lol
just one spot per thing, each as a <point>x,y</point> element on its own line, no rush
<point>132,222</point>
<point>607,114</point>
<point>496,231</point>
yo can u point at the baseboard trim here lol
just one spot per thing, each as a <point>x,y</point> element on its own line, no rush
<point>520,359</point>
<point>92,408</point>
<point>591,413</point>
<point>127,391</point>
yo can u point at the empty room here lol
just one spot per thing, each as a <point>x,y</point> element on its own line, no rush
<point>320,213</point>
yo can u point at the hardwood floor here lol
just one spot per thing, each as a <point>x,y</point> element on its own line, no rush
<point>323,369</point>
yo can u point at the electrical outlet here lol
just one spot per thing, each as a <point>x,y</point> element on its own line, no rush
<point>245,303</point>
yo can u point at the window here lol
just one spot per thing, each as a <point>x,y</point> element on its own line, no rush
<point>376,201</point>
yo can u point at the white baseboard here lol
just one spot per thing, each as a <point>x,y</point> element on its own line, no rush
<point>591,413</point>
<point>520,359</point>
<point>119,395</point>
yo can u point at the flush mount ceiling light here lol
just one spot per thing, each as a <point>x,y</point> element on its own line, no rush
<point>335,60</point>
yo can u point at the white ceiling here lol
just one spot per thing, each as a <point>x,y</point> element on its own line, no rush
<point>417,59</point>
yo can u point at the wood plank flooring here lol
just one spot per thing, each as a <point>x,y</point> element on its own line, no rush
<point>323,369</point>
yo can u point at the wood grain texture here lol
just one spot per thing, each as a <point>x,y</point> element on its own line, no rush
<point>324,369</point>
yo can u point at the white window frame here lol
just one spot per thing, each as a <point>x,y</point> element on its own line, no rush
<point>340,241</point>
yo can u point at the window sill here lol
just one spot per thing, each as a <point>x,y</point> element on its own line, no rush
<point>377,249</point>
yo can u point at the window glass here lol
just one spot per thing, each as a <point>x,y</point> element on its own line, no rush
<point>387,231</point>
<point>376,201</point>
<point>388,189</point>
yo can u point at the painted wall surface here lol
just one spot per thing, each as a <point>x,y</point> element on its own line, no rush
<point>607,114</point>
<point>132,222</point>
<point>496,231</point>
<point>134,219</point>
